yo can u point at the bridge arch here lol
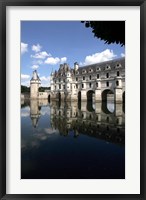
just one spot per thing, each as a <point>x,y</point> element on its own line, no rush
<point>49,98</point>
<point>90,94</point>
<point>106,93</point>
<point>123,97</point>
<point>79,96</point>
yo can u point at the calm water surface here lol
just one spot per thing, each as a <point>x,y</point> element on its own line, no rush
<point>72,140</point>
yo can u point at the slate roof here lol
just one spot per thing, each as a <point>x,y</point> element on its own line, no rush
<point>112,64</point>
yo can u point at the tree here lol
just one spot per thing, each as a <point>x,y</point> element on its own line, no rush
<point>24,89</point>
<point>109,31</point>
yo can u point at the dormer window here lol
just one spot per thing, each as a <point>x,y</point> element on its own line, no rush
<point>107,67</point>
<point>118,65</point>
<point>98,69</point>
<point>83,71</point>
<point>90,70</point>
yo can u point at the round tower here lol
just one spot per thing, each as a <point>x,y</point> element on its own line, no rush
<point>34,85</point>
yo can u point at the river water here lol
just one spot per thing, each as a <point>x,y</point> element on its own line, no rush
<point>74,140</point>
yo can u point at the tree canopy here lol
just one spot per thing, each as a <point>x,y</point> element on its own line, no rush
<point>109,31</point>
<point>25,89</point>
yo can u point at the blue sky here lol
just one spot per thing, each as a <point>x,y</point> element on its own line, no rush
<point>47,44</point>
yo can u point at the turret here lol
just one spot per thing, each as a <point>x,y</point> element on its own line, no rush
<point>76,66</point>
<point>34,85</point>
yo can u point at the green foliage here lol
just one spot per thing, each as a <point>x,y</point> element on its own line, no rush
<point>42,89</point>
<point>25,89</point>
<point>109,31</point>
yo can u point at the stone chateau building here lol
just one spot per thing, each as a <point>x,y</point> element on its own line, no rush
<point>92,82</point>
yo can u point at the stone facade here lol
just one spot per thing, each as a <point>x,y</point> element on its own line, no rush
<point>93,82</point>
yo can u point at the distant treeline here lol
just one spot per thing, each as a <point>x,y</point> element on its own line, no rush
<point>25,89</point>
<point>42,89</point>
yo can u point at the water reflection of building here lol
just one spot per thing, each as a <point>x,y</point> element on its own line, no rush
<point>99,122</point>
<point>96,120</point>
<point>35,107</point>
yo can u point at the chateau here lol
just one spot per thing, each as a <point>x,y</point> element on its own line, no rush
<point>92,82</point>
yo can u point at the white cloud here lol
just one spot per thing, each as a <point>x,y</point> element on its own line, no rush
<point>25,83</point>
<point>37,62</point>
<point>41,55</point>
<point>45,81</point>
<point>99,57</point>
<point>35,66</point>
<point>64,59</point>
<point>43,78</point>
<point>52,61</point>
<point>25,114</point>
<point>24,47</point>
<point>55,61</point>
<point>36,48</point>
<point>25,76</point>
<point>122,55</point>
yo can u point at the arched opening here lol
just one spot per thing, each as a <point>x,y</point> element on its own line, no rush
<point>107,95</point>
<point>79,100</point>
<point>108,101</point>
<point>90,106</point>
<point>123,97</point>
<point>49,97</point>
<point>90,95</point>
<point>90,98</point>
<point>79,96</point>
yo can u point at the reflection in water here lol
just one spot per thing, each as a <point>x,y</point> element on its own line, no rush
<point>98,149</point>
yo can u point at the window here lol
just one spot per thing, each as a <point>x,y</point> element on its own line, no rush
<point>118,65</point>
<point>83,71</point>
<point>97,75</point>
<point>76,78</point>
<point>90,77</point>
<point>59,86</point>
<point>107,84</point>
<point>107,75</point>
<point>96,84</point>
<point>98,69</point>
<point>64,87</point>
<point>83,77</point>
<point>90,85</point>
<point>76,85</point>
<point>117,83</point>
<point>59,79</point>
<point>118,73</point>
<point>90,70</point>
<point>82,85</point>
<point>107,67</point>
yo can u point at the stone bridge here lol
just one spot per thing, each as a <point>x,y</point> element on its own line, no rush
<point>97,82</point>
